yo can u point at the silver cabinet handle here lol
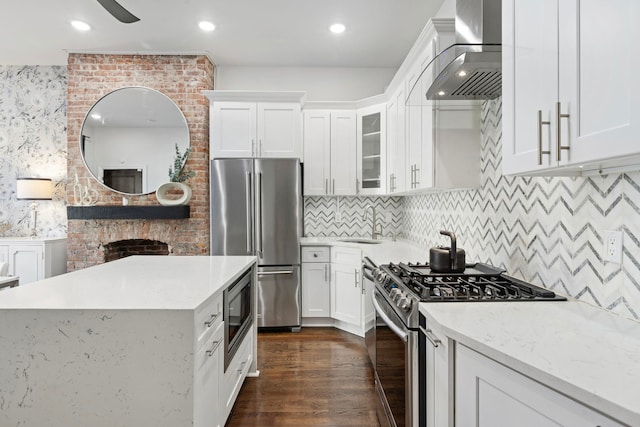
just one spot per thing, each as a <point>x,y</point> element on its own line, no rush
<point>253,147</point>
<point>214,347</point>
<point>540,124</point>
<point>248,214</point>
<point>326,186</point>
<point>211,320</point>
<point>559,117</point>
<point>356,277</point>
<point>333,191</point>
<point>326,272</point>
<point>273,273</point>
<point>260,148</point>
<point>416,170</point>
<point>432,339</point>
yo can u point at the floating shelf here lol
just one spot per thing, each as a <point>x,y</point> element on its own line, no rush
<point>128,212</point>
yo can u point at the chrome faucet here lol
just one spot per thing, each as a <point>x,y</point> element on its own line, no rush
<point>374,218</point>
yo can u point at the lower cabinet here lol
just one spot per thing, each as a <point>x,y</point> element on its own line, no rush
<point>332,289</point>
<point>234,376</point>
<point>208,370</point>
<point>437,373</point>
<point>316,282</point>
<point>34,259</point>
<point>489,394</point>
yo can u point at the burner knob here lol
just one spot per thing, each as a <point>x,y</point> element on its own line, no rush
<point>398,296</point>
<point>394,293</point>
<point>405,303</point>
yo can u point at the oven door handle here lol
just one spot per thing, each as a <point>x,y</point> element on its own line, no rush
<point>395,328</point>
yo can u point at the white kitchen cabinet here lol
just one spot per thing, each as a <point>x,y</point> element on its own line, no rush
<point>489,394</point>
<point>255,124</point>
<point>396,142</point>
<point>346,289</point>
<point>316,282</point>
<point>34,259</point>
<point>330,153</point>
<point>371,150</point>
<point>235,374</point>
<point>208,370</point>
<point>569,95</point>
<point>438,369</point>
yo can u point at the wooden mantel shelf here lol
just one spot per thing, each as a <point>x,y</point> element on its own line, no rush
<point>128,212</point>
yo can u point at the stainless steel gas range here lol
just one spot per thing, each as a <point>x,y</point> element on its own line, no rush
<point>399,288</point>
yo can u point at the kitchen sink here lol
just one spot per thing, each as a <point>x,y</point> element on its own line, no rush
<point>361,240</point>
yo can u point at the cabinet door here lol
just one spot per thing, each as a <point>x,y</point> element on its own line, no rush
<point>598,88</point>
<point>437,383</point>
<point>26,262</point>
<point>317,156</point>
<point>207,381</point>
<point>371,150</point>
<point>279,130</point>
<point>346,294</point>
<point>316,289</point>
<point>233,129</point>
<point>529,84</point>
<point>489,394</point>
<point>343,153</point>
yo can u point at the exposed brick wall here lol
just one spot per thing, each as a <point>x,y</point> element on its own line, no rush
<point>181,78</point>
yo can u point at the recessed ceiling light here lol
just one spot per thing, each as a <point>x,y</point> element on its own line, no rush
<point>80,26</point>
<point>206,26</point>
<point>337,28</point>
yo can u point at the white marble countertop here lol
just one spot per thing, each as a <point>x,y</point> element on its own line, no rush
<point>380,253</point>
<point>136,282</point>
<point>580,350</point>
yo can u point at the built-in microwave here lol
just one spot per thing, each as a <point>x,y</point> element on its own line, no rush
<point>238,314</point>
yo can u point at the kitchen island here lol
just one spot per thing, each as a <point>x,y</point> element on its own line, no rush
<point>120,344</point>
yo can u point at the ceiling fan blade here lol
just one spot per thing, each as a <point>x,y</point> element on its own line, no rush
<point>118,12</point>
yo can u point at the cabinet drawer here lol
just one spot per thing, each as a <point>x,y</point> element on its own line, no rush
<point>237,372</point>
<point>207,318</point>
<point>348,256</point>
<point>315,254</point>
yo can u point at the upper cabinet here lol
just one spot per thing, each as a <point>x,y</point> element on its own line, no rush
<point>255,124</point>
<point>372,150</point>
<point>396,142</point>
<point>329,152</point>
<point>569,99</point>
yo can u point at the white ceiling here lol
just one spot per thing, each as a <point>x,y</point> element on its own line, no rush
<point>248,32</point>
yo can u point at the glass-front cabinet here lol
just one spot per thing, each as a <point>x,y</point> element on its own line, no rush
<point>371,150</point>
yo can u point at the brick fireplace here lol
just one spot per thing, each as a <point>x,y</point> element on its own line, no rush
<point>181,78</point>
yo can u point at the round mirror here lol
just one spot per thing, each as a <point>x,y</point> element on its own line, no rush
<point>130,139</point>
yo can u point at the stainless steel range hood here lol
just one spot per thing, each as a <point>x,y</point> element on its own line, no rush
<point>471,68</point>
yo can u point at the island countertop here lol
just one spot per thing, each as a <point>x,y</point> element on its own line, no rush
<point>136,282</point>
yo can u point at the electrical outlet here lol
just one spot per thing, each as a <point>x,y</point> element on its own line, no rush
<point>613,246</point>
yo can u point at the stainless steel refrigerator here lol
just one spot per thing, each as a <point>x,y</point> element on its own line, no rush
<point>256,209</point>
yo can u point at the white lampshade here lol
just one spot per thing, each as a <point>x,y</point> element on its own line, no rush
<point>34,189</point>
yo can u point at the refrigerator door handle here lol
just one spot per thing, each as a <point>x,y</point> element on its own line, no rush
<point>249,219</point>
<point>273,273</point>
<point>259,216</point>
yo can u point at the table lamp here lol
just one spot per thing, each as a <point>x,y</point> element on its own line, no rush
<point>34,189</point>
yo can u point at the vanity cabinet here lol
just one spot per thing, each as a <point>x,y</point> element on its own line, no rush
<point>316,281</point>
<point>569,93</point>
<point>489,394</point>
<point>330,153</point>
<point>34,259</point>
<point>371,150</point>
<point>255,124</point>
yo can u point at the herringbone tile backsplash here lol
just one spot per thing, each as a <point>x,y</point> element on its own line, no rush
<point>545,230</point>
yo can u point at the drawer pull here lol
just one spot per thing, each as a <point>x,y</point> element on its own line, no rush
<point>214,347</point>
<point>211,320</point>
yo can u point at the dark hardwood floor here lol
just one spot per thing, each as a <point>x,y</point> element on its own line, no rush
<point>318,377</point>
